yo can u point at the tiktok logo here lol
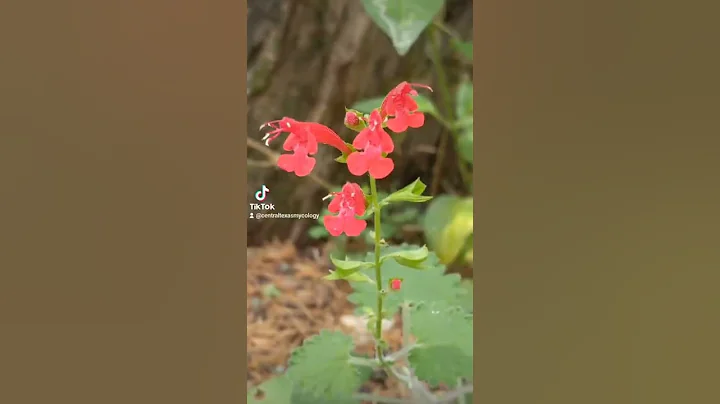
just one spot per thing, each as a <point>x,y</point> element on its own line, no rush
<point>262,194</point>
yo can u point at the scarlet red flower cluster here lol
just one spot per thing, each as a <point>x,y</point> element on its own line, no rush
<point>371,143</point>
<point>369,153</point>
<point>347,204</point>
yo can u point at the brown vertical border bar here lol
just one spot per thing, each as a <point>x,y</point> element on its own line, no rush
<point>123,203</point>
<point>597,200</point>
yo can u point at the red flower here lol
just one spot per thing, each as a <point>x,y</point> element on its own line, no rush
<point>395,284</point>
<point>347,203</point>
<point>402,107</point>
<point>302,141</point>
<point>371,143</point>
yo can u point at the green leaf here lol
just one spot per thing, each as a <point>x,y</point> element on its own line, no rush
<point>436,217</point>
<point>349,266</point>
<point>416,187</point>
<point>432,321</point>
<point>428,285</point>
<point>447,224</point>
<point>466,300</point>
<point>465,145</point>
<point>402,20</point>
<point>464,48</point>
<point>280,390</point>
<point>320,368</point>
<point>464,99</point>
<point>351,277</point>
<point>409,258</point>
<point>446,336</point>
<point>455,234</point>
<point>464,114</point>
<point>469,254</point>
<point>410,193</point>
<point>277,390</point>
<point>441,364</point>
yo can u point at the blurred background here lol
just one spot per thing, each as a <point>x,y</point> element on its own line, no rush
<point>310,60</point>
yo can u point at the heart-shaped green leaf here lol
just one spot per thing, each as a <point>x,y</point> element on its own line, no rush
<point>402,20</point>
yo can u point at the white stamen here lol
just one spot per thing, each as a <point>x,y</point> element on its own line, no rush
<point>262,126</point>
<point>288,124</point>
<point>267,143</point>
<point>328,196</point>
<point>267,135</point>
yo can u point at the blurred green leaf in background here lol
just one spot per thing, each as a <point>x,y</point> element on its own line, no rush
<point>403,20</point>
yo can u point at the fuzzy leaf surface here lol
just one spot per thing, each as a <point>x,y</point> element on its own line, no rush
<point>446,337</point>
<point>320,368</point>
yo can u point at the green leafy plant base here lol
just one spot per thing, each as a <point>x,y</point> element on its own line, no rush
<point>438,309</point>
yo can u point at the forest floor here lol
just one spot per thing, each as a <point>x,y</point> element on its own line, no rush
<point>288,301</point>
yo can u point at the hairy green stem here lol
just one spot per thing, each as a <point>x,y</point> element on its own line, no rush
<point>378,274</point>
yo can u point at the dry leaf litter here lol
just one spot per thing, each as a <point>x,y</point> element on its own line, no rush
<point>288,302</point>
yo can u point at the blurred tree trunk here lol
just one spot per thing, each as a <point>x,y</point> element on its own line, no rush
<point>309,59</point>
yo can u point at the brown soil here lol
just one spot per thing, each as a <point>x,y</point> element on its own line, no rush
<point>288,301</point>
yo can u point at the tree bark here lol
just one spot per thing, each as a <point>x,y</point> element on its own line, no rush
<point>309,60</point>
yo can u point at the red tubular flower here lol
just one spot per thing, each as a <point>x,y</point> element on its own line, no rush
<point>371,143</point>
<point>399,104</point>
<point>350,201</point>
<point>303,142</point>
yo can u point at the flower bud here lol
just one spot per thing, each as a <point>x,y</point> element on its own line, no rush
<point>354,121</point>
<point>351,119</point>
<point>395,284</point>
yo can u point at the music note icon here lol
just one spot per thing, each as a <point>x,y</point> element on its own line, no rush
<point>261,194</point>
